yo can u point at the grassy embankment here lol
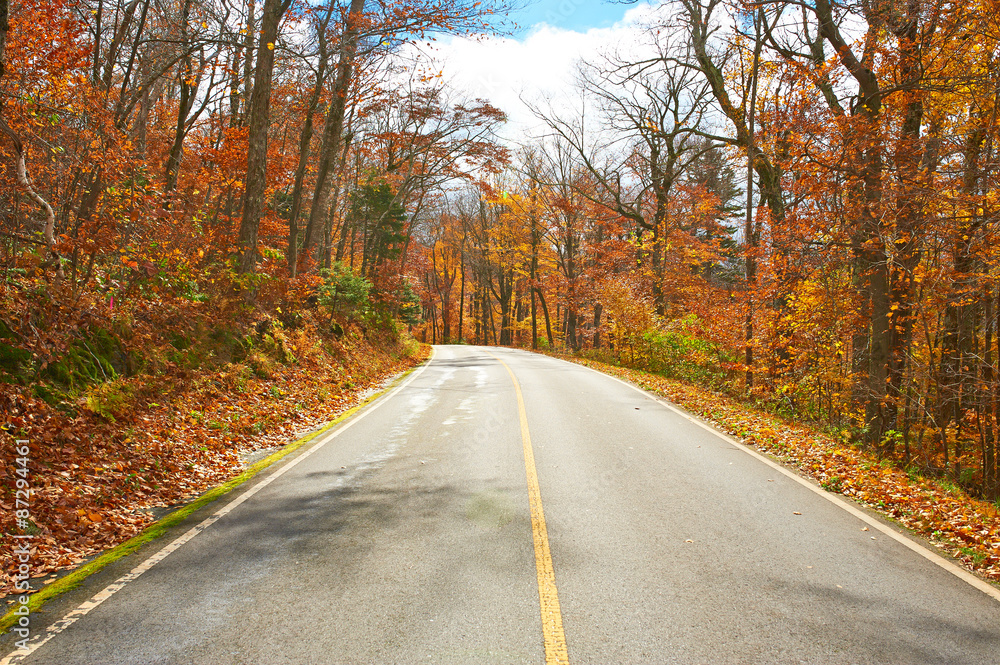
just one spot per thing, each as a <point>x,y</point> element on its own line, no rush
<point>128,416</point>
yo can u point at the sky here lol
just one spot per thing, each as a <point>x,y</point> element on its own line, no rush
<point>536,63</point>
<point>578,15</point>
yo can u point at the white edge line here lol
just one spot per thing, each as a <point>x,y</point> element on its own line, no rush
<point>74,615</point>
<point>844,504</point>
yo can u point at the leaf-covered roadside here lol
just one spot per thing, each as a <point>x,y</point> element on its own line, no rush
<point>964,527</point>
<point>96,474</point>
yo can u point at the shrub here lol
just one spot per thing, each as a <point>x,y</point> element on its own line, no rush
<point>343,292</point>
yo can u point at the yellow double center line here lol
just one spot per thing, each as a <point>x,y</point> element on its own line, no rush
<point>548,596</point>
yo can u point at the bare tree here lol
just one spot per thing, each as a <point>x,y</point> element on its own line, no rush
<point>648,112</point>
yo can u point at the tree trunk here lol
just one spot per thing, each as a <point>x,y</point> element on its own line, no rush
<point>986,415</point>
<point>545,312</point>
<point>334,126</point>
<point>571,325</point>
<point>461,296</point>
<point>5,28</point>
<point>914,172</point>
<point>660,196</point>
<point>327,244</point>
<point>598,310</point>
<point>477,316</point>
<point>189,92</point>
<point>21,168</point>
<point>260,116</point>
<point>534,320</point>
<point>248,69</point>
<point>305,138</point>
<point>291,254</point>
<point>506,291</point>
<point>751,235</point>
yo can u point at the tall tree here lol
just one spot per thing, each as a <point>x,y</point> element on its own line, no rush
<point>260,116</point>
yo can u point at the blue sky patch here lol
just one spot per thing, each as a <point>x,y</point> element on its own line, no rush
<point>570,14</point>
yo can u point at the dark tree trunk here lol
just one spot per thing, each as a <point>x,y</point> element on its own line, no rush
<point>548,321</point>
<point>248,69</point>
<point>5,28</point>
<point>189,92</point>
<point>571,337</point>
<point>327,244</point>
<point>751,234</point>
<point>461,296</point>
<point>305,138</point>
<point>598,310</point>
<point>334,127</point>
<point>260,116</point>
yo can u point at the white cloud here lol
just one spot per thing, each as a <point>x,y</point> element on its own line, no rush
<point>538,67</point>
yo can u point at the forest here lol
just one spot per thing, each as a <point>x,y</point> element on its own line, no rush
<point>793,203</point>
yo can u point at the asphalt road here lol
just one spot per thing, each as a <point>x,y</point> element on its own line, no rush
<point>408,536</point>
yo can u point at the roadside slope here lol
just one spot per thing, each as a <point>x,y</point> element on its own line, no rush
<point>103,469</point>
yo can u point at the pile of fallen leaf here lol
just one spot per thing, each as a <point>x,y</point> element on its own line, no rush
<point>966,528</point>
<point>95,480</point>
